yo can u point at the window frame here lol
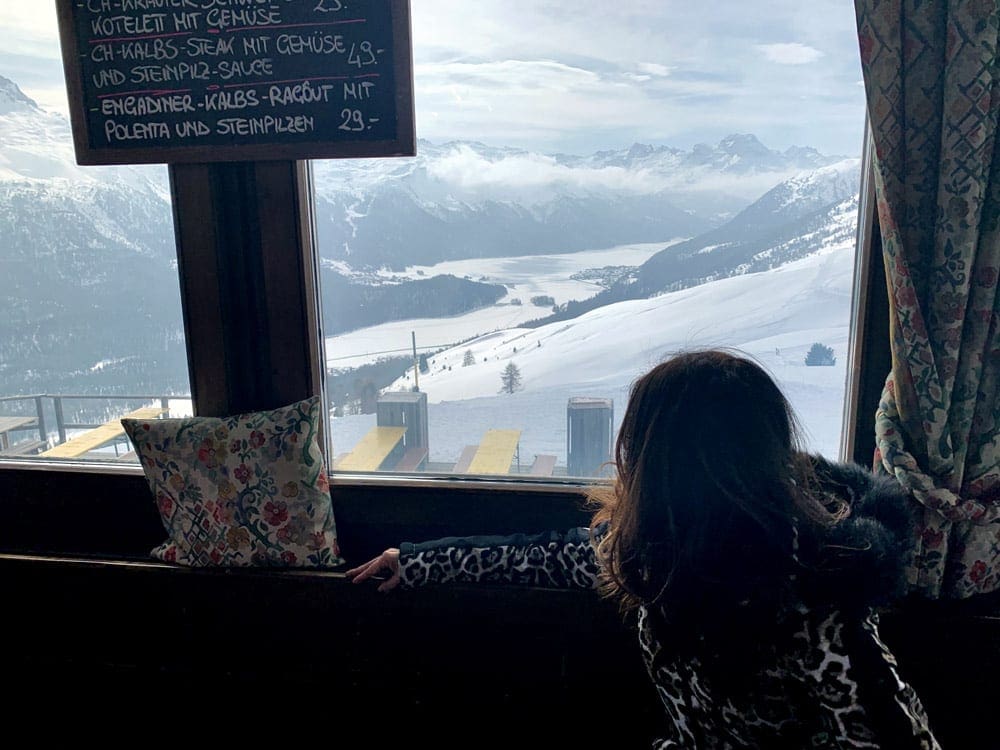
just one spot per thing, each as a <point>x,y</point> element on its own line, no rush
<point>869,355</point>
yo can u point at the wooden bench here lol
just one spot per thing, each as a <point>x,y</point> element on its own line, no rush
<point>462,465</point>
<point>495,453</point>
<point>373,450</point>
<point>13,424</point>
<point>24,448</point>
<point>98,437</point>
<point>413,460</point>
<point>543,465</point>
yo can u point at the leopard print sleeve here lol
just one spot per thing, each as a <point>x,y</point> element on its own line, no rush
<point>858,689</point>
<point>831,684</point>
<point>551,559</point>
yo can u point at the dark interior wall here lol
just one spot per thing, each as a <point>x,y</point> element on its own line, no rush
<point>435,660</point>
<point>92,616</point>
<point>950,652</point>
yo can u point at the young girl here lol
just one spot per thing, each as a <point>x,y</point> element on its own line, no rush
<point>755,569</point>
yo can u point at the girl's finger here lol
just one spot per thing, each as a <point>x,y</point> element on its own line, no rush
<point>366,571</point>
<point>389,584</point>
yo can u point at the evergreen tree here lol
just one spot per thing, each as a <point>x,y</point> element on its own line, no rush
<point>510,378</point>
<point>820,354</point>
<point>468,359</point>
<point>367,393</point>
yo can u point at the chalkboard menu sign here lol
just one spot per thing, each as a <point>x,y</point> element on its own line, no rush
<point>163,81</point>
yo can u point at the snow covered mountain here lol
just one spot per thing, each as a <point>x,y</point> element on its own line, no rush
<point>38,145</point>
<point>778,227</point>
<point>466,199</point>
<point>713,181</point>
<point>87,252</point>
<point>794,219</point>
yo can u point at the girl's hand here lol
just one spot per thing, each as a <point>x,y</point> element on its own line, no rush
<point>387,561</point>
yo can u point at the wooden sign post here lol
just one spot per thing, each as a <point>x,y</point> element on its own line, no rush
<point>203,80</point>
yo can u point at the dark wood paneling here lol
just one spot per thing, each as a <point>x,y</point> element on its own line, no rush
<point>505,659</point>
<point>950,653</point>
<point>323,659</point>
<point>77,513</point>
<point>68,512</point>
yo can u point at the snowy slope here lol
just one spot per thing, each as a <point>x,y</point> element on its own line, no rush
<point>774,316</point>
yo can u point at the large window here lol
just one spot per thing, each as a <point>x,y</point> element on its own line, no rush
<point>91,328</point>
<point>596,187</point>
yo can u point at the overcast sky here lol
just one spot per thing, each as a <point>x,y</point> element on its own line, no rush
<point>581,75</point>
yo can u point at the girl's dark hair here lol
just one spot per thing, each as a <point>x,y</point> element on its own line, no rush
<point>710,491</point>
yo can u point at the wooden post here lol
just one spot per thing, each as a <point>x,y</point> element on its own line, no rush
<point>248,287</point>
<point>416,363</point>
<point>60,420</point>
<point>40,411</point>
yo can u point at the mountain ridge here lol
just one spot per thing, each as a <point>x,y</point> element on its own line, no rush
<point>100,239</point>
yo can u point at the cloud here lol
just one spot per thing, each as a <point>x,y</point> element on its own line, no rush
<point>576,77</point>
<point>500,76</point>
<point>549,105</point>
<point>654,69</point>
<point>30,28</point>
<point>790,54</point>
<point>532,178</point>
<point>472,171</point>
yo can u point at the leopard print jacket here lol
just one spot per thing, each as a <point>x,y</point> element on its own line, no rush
<point>830,680</point>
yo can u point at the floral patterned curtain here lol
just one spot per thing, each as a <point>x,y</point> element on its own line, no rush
<point>931,78</point>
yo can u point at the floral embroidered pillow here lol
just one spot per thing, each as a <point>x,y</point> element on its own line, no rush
<point>240,491</point>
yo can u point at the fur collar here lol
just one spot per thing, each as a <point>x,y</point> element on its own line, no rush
<point>862,560</point>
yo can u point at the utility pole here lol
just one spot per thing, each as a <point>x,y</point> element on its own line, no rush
<point>416,364</point>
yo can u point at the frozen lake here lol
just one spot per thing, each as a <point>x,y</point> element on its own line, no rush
<point>526,277</point>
